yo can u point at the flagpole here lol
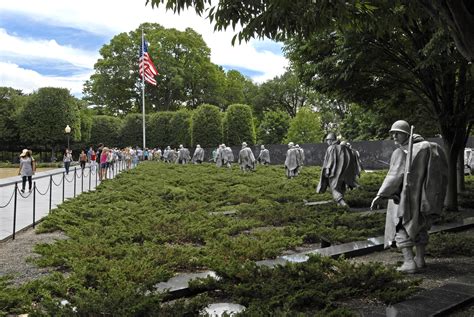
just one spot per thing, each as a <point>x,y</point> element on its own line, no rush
<point>143,91</point>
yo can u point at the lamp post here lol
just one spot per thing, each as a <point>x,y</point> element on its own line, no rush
<point>67,129</point>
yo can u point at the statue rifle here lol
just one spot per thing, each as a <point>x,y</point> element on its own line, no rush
<point>406,178</point>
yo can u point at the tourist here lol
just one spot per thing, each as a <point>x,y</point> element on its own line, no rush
<point>26,169</point>
<point>67,159</point>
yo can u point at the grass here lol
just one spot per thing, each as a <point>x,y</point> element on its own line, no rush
<point>155,221</point>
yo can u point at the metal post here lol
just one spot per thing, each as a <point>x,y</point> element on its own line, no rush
<point>34,203</point>
<point>75,168</point>
<point>50,191</point>
<point>64,180</point>
<point>90,177</point>
<point>14,211</point>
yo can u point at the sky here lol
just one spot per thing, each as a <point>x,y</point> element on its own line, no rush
<point>56,42</point>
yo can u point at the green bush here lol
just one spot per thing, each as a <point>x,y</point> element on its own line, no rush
<point>106,130</point>
<point>180,125</point>
<point>451,244</point>
<point>160,131</point>
<point>207,126</point>
<point>239,125</point>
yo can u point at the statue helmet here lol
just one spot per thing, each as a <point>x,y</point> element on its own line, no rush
<point>291,144</point>
<point>244,144</point>
<point>262,146</point>
<point>400,126</point>
<point>331,136</point>
<point>198,146</point>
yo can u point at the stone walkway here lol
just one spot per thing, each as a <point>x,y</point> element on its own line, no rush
<point>32,207</point>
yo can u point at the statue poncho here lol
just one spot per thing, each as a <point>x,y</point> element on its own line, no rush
<point>246,159</point>
<point>338,172</point>
<point>425,196</point>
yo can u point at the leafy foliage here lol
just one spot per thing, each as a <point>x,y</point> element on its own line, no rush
<point>312,287</point>
<point>207,126</point>
<point>106,130</point>
<point>451,244</point>
<point>46,114</point>
<point>10,106</point>
<point>239,125</point>
<point>181,128</point>
<point>305,127</point>
<point>273,127</point>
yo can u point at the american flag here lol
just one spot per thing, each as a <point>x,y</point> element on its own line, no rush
<point>146,65</point>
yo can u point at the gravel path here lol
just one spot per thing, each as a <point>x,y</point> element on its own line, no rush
<point>14,255</point>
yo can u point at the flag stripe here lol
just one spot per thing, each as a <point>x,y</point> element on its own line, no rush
<point>147,69</point>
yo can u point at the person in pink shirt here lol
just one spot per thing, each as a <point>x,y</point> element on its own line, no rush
<point>103,163</point>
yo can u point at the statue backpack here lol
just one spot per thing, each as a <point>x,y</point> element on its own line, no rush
<point>436,182</point>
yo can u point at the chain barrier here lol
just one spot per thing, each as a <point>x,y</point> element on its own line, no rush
<point>94,170</point>
<point>60,182</point>
<point>38,191</point>
<point>10,200</point>
<point>22,193</point>
<point>67,180</point>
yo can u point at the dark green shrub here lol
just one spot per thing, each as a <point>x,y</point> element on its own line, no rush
<point>451,244</point>
<point>207,126</point>
<point>106,130</point>
<point>239,125</point>
<point>160,131</point>
<point>180,125</point>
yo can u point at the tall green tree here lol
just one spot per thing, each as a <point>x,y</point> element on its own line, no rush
<point>273,127</point>
<point>11,104</point>
<point>280,20</point>
<point>187,76</point>
<point>207,126</point>
<point>285,92</point>
<point>305,127</point>
<point>47,112</point>
<point>239,125</point>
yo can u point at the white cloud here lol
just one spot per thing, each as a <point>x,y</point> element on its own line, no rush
<point>110,17</point>
<point>11,75</point>
<point>45,49</point>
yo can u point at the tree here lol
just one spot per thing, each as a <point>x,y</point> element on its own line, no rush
<point>239,125</point>
<point>86,124</point>
<point>11,103</point>
<point>273,127</point>
<point>305,127</point>
<point>411,59</point>
<point>187,76</point>
<point>206,126</point>
<point>131,133</point>
<point>280,20</point>
<point>181,127</point>
<point>46,114</point>
<point>160,131</point>
<point>285,92</point>
<point>106,130</point>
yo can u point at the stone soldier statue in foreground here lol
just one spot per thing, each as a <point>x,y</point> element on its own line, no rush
<point>246,158</point>
<point>264,156</point>
<point>339,170</point>
<point>415,187</point>
<point>183,155</point>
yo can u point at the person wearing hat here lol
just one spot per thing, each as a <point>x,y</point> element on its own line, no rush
<point>26,169</point>
<point>415,191</point>
<point>338,171</point>
<point>246,158</point>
